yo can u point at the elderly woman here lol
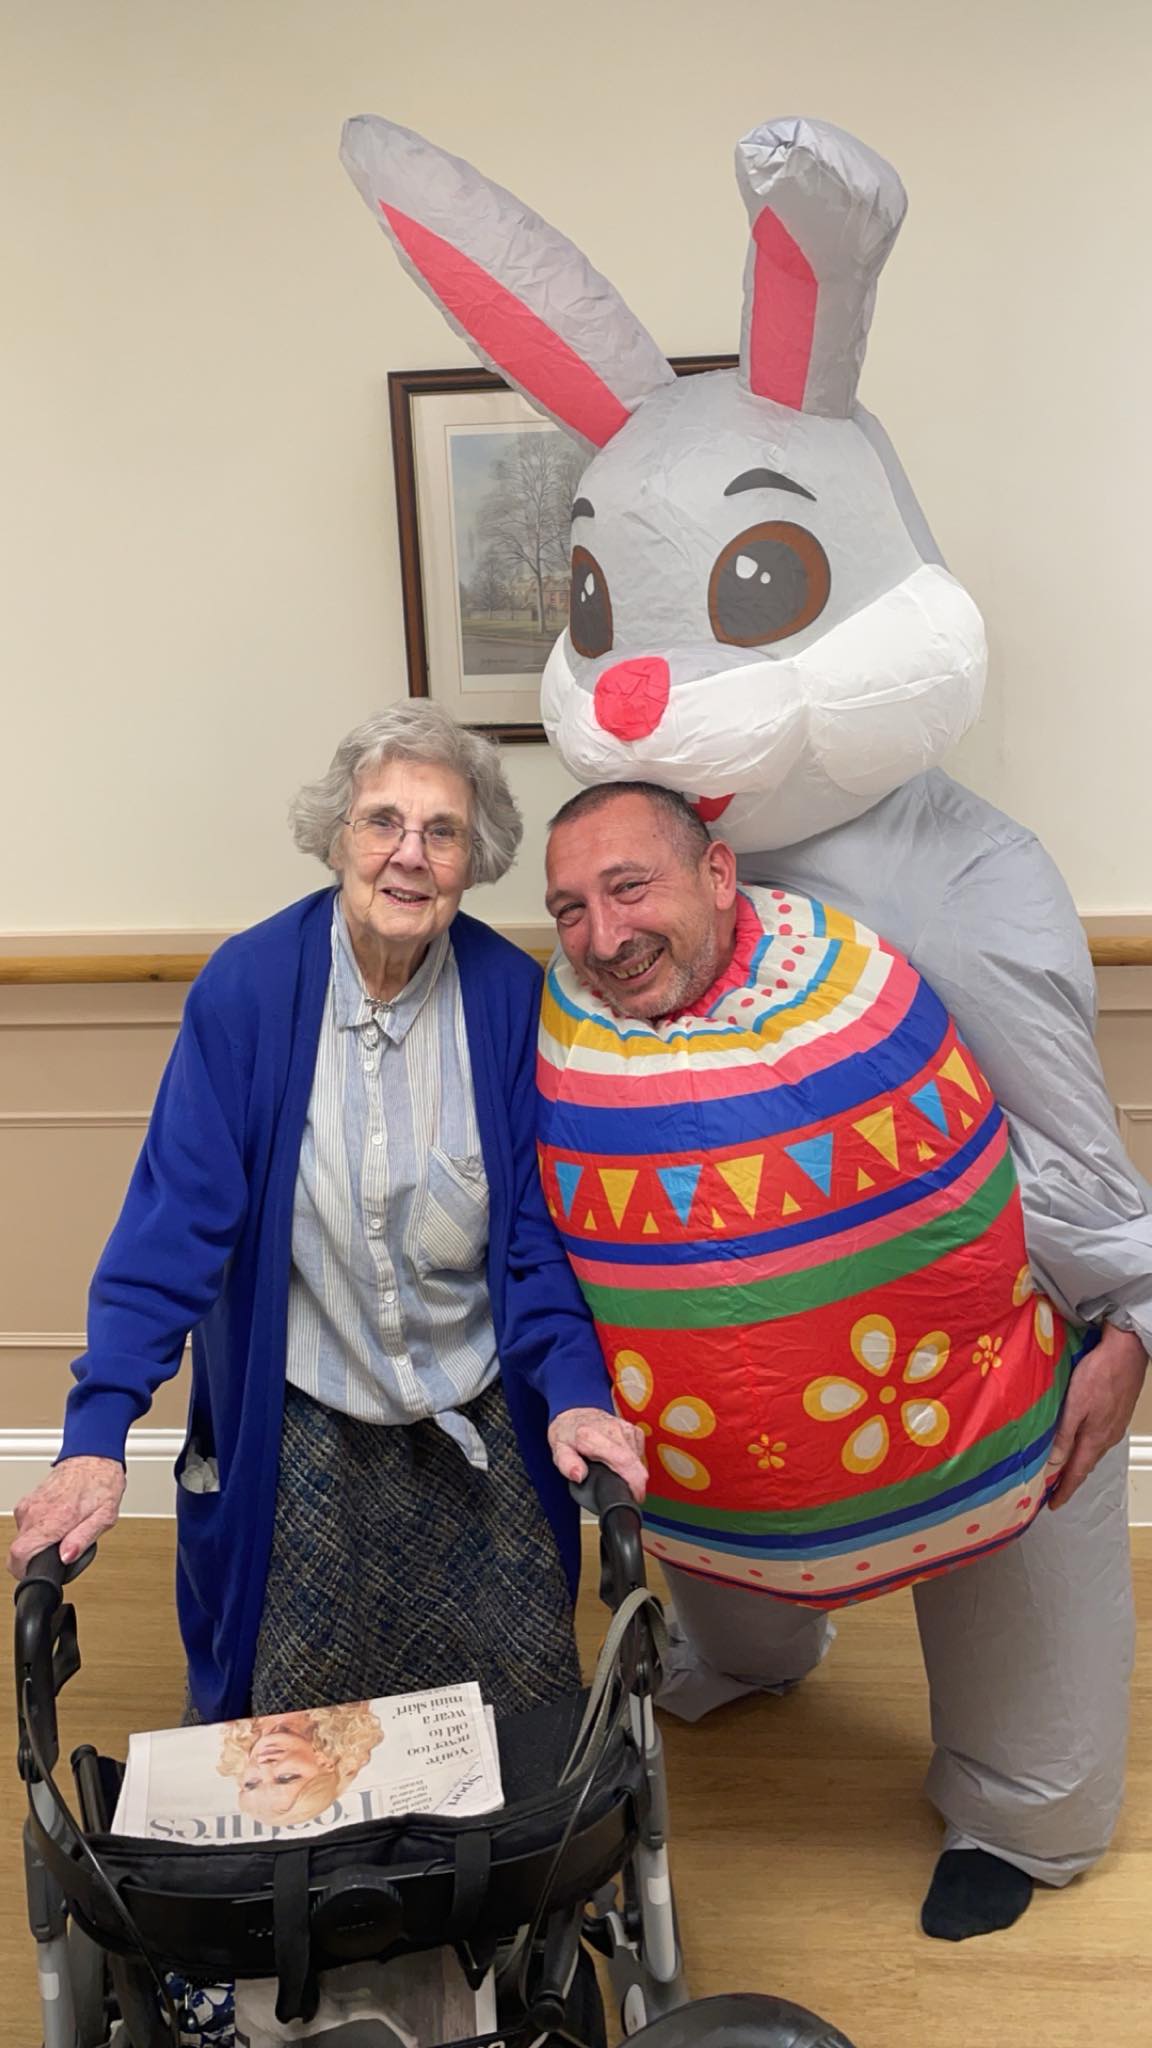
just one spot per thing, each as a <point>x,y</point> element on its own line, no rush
<point>393,1374</point>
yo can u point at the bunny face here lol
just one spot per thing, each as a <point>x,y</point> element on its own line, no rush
<point>759,617</point>
<point>751,619</point>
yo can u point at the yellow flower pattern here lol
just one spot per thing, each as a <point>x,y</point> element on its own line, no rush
<point>768,1451</point>
<point>833,1397</point>
<point>685,1416</point>
<point>987,1355</point>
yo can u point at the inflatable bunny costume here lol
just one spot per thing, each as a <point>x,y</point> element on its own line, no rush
<point>761,620</point>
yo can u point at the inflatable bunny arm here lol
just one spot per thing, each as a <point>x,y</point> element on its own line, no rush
<point>973,900</point>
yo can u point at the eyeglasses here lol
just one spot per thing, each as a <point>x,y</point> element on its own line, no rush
<point>380,834</point>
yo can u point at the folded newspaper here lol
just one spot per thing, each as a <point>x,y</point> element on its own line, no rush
<point>271,1776</point>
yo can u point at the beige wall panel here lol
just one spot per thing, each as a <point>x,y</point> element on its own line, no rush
<point>35,1379</point>
<point>1125,995</point>
<point>1136,1131</point>
<point>63,1183</point>
<point>97,1005</point>
<point>79,1067</point>
<point>75,1068</point>
<point>1125,1040</point>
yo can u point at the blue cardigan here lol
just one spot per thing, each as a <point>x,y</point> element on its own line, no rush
<point>203,1244</point>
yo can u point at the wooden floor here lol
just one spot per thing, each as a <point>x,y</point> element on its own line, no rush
<point>801,1845</point>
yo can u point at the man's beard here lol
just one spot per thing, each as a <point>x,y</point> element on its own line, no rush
<point>682,983</point>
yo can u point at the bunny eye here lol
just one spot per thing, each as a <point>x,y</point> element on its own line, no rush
<point>770,581</point>
<point>590,606</point>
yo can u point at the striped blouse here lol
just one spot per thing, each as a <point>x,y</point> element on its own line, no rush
<point>388,1311</point>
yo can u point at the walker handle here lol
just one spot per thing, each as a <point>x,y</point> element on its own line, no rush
<point>604,1494</point>
<point>47,1653</point>
<point>602,1489</point>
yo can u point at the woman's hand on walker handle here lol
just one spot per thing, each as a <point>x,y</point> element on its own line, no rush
<point>79,1501</point>
<point>582,1433</point>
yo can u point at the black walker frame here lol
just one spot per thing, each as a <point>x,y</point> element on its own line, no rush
<point>563,1869</point>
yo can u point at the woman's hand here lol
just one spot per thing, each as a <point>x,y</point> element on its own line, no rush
<point>582,1433</point>
<point>79,1501</point>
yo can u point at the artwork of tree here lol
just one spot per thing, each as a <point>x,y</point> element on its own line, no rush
<point>528,512</point>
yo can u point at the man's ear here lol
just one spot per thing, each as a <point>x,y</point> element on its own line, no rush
<point>720,866</point>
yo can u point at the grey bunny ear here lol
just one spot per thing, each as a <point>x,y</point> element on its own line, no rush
<point>523,297</point>
<point>824,212</point>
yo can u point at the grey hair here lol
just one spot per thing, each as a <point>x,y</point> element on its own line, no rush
<point>414,730</point>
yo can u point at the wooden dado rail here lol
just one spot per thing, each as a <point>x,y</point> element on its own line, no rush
<point>1113,949</point>
<point>43,970</point>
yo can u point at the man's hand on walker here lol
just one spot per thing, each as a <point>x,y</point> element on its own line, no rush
<point>79,1501</point>
<point>1102,1394</point>
<point>582,1433</point>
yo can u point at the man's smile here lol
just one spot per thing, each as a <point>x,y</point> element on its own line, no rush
<point>636,969</point>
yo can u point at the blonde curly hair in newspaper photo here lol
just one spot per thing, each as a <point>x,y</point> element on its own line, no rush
<point>289,1767</point>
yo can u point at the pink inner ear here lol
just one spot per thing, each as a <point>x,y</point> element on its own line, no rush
<point>529,352</point>
<point>784,296</point>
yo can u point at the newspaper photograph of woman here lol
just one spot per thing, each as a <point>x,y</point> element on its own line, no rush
<point>311,1769</point>
<point>289,1767</point>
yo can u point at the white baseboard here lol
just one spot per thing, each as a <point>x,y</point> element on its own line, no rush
<point>25,1455</point>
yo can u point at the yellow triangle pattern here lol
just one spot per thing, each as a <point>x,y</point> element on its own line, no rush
<point>924,1151</point>
<point>717,1220</point>
<point>966,1120</point>
<point>617,1183</point>
<point>789,1207</point>
<point>743,1177</point>
<point>552,1208</point>
<point>880,1130</point>
<point>955,1070</point>
<point>650,1227</point>
<point>863,1180</point>
<point>589,1221</point>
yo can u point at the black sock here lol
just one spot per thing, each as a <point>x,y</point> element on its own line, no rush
<point>973,1893</point>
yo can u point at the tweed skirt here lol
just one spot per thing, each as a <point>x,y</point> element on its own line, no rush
<point>397,1566</point>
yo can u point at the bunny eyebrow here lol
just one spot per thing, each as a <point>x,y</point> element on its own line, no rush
<point>766,480</point>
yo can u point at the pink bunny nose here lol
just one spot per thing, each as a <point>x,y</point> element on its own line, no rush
<point>631,697</point>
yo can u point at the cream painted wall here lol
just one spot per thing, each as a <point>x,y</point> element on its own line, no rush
<point>200,551</point>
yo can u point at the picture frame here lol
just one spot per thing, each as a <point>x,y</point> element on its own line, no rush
<point>484,485</point>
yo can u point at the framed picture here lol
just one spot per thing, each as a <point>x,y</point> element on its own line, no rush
<point>484,491</point>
